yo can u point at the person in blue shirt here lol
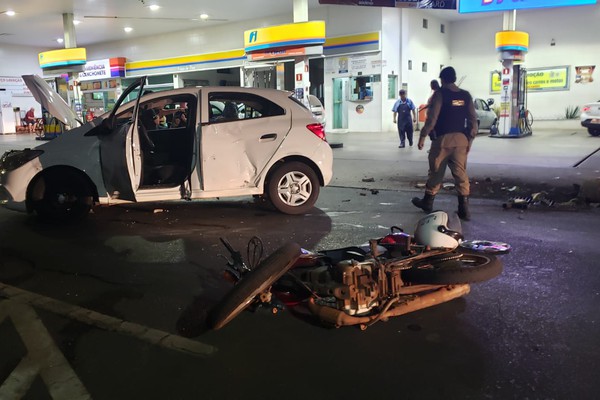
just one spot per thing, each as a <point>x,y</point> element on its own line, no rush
<point>365,93</point>
<point>403,108</point>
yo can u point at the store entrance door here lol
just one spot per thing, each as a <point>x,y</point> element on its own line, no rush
<point>340,116</point>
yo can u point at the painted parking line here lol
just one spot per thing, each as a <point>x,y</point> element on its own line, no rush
<point>106,322</point>
<point>43,358</point>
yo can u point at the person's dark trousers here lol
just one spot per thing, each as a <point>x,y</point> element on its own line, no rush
<point>409,133</point>
<point>405,131</point>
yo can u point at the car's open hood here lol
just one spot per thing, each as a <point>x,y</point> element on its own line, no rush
<point>51,100</point>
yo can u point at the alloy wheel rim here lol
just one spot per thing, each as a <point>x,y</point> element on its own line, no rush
<point>294,188</point>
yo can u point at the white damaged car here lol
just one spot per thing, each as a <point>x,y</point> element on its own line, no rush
<point>182,144</point>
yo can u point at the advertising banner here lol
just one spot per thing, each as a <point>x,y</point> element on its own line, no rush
<point>583,74</point>
<point>99,69</point>
<point>433,4</point>
<point>373,3</point>
<point>539,79</point>
<point>472,6</point>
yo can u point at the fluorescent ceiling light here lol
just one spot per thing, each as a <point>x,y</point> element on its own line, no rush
<point>154,7</point>
<point>60,40</point>
<point>76,22</point>
<point>128,29</point>
<point>10,13</point>
<point>203,16</point>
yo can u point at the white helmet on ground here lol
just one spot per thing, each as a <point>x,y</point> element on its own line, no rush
<point>432,230</point>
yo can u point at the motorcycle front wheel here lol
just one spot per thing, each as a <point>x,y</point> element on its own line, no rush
<point>463,267</point>
<point>252,284</point>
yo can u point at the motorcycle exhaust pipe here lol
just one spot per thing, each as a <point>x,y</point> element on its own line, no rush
<point>339,318</point>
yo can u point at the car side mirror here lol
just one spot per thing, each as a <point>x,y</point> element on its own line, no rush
<point>490,102</point>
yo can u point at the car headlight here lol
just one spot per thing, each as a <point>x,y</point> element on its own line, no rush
<point>14,159</point>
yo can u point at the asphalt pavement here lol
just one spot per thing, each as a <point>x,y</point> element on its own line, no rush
<point>113,308</point>
<point>546,157</point>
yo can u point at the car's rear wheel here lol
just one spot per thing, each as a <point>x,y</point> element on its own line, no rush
<point>293,188</point>
<point>62,196</point>
<point>594,132</point>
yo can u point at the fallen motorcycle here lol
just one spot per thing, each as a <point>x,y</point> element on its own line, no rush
<point>358,285</point>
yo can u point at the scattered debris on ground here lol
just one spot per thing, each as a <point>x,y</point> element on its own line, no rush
<point>518,194</point>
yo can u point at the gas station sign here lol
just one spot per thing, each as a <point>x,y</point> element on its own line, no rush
<point>539,79</point>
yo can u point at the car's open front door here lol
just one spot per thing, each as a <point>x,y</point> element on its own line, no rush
<point>120,147</point>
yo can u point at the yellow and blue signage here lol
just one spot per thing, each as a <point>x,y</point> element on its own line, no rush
<point>300,34</point>
<point>352,43</point>
<point>62,58</point>
<point>512,41</point>
<point>473,6</point>
<point>221,59</point>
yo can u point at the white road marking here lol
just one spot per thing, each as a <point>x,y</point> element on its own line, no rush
<point>106,322</point>
<point>43,358</point>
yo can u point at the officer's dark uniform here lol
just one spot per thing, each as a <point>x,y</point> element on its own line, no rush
<point>451,142</point>
<point>453,119</point>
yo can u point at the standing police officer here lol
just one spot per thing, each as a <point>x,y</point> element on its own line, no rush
<point>453,119</point>
<point>403,109</point>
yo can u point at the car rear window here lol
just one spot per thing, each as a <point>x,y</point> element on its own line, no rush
<point>229,106</point>
<point>295,100</point>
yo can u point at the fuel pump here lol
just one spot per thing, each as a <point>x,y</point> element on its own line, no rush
<point>514,119</point>
<point>525,118</point>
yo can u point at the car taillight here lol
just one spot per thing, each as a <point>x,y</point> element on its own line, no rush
<point>586,108</point>
<point>318,130</point>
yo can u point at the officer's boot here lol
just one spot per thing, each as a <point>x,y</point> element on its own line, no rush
<point>425,204</point>
<point>463,208</point>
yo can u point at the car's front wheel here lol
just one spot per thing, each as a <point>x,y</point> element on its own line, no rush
<point>62,197</point>
<point>293,188</point>
<point>594,132</point>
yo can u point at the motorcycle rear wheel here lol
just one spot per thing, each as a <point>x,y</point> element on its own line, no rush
<point>471,267</point>
<point>252,284</point>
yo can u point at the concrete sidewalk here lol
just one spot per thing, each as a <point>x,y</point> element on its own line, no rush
<point>546,157</point>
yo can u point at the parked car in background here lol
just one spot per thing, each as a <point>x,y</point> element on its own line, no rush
<point>267,146</point>
<point>486,117</point>
<point>590,118</point>
<point>317,109</point>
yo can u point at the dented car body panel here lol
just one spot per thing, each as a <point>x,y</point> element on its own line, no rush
<point>216,142</point>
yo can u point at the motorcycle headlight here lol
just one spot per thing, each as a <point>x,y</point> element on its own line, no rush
<point>13,159</point>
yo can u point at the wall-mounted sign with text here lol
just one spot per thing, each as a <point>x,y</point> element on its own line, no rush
<point>538,79</point>
<point>103,69</point>
<point>372,3</point>
<point>433,4</point>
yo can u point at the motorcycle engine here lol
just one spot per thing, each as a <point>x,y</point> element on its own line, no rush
<point>356,291</point>
<point>350,285</point>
